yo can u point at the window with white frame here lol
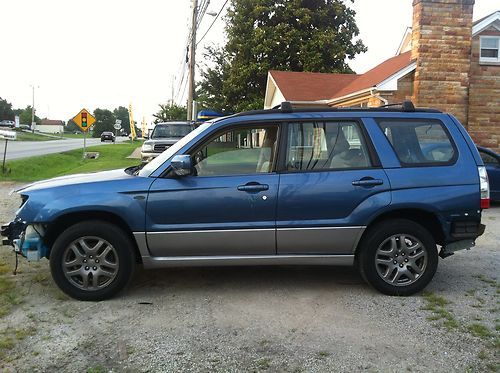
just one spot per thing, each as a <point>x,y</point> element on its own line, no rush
<point>490,46</point>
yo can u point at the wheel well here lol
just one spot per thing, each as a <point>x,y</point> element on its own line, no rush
<point>426,219</point>
<point>55,228</point>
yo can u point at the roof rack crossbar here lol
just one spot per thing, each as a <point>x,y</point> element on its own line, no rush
<point>287,107</point>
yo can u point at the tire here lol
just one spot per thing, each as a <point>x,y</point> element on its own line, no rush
<point>92,260</point>
<point>396,266</point>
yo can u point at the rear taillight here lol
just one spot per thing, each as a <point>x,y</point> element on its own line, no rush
<point>484,187</point>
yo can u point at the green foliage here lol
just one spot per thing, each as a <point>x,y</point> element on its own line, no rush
<point>262,35</point>
<point>104,121</point>
<point>169,112</point>
<point>71,127</point>
<point>25,115</point>
<point>6,111</point>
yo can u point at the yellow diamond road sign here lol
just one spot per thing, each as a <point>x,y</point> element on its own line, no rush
<point>84,120</point>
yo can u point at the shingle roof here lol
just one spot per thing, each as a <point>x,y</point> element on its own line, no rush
<point>305,86</point>
<point>378,74</point>
<point>51,122</point>
<point>302,86</point>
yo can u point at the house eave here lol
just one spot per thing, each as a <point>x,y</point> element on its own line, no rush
<point>485,23</point>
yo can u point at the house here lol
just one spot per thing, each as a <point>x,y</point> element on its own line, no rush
<point>50,126</point>
<point>444,61</point>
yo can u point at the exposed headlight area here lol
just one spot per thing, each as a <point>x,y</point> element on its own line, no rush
<point>147,147</point>
<point>24,199</point>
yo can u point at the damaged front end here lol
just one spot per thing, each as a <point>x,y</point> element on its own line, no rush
<point>26,239</point>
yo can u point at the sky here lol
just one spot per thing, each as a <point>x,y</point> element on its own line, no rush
<point>107,53</point>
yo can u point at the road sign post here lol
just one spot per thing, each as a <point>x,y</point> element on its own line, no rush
<point>6,135</point>
<point>84,120</point>
<point>117,126</point>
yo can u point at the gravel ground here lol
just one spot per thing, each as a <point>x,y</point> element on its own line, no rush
<point>258,319</point>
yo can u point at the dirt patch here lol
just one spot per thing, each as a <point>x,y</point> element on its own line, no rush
<point>256,318</point>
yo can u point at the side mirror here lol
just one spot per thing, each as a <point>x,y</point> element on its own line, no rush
<point>181,165</point>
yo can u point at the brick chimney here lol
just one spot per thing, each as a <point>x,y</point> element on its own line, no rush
<point>441,46</point>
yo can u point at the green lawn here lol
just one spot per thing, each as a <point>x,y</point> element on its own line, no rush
<point>28,136</point>
<point>75,135</point>
<point>52,165</point>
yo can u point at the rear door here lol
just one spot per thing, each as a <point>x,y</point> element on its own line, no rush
<point>331,181</point>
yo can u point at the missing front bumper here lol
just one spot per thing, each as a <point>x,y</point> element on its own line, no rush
<point>26,240</point>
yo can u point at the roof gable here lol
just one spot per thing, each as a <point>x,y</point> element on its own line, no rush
<point>491,20</point>
<point>307,86</point>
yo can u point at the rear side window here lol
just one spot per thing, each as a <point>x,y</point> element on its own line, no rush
<point>325,145</point>
<point>419,142</point>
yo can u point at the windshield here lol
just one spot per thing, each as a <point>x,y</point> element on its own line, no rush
<point>158,161</point>
<point>170,130</point>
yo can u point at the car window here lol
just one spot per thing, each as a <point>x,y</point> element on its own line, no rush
<point>170,130</point>
<point>488,159</point>
<point>325,145</point>
<point>238,151</point>
<point>419,141</point>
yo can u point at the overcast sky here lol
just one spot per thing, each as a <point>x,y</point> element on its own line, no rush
<point>106,53</point>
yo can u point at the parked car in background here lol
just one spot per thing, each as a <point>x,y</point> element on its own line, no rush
<point>164,135</point>
<point>492,162</point>
<point>107,136</point>
<point>25,127</point>
<point>7,123</point>
<point>271,187</point>
<point>490,159</point>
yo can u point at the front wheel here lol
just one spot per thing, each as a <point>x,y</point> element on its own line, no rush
<point>92,260</point>
<point>398,257</point>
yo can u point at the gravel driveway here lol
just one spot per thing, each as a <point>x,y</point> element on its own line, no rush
<point>256,319</point>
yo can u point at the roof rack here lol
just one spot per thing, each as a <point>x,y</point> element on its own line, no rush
<point>287,107</point>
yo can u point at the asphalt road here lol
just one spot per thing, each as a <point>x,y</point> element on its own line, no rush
<point>24,149</point>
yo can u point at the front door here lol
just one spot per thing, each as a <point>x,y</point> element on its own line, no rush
<point>227,206</point>
<point>327,188</point>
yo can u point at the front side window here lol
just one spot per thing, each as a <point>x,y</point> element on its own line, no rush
<point>325,145</point>
<point>418,142</point>
<point>238,152</point>
<point>490,46</point>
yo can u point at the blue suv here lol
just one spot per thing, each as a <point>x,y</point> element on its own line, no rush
<point>389,190</point>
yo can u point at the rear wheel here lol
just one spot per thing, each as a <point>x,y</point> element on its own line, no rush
<point>92,260</point>
<point>398,257</point>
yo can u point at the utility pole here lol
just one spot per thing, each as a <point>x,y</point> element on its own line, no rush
<point>192,62</point>
<point>33,110</point>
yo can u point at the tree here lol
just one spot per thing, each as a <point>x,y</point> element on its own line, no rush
<point>71,127</point>
<point>262,35</point>
<point>122,113</point>
<point>104,121</point>
<point>169,112</point>
<point>6,111</point>
<point>25,115</point>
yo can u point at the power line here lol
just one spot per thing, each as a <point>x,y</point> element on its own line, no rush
<point>215,19</point>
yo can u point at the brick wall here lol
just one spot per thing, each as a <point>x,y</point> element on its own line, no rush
<point>484,98</point>
<point>441,38</point>
<point>404,91</point>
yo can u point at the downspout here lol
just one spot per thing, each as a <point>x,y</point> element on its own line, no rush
<point>378,96</point>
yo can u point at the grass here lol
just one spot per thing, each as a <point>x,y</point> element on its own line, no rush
<point>28,136</point>
<point>480,331</point>
<point>8,296</point>
<point>437,305</point>
<point>71,162</point>
<point>9,338</point>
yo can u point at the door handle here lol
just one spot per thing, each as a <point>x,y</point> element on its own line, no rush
<point>367,182</point>
<point>253,187</point>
